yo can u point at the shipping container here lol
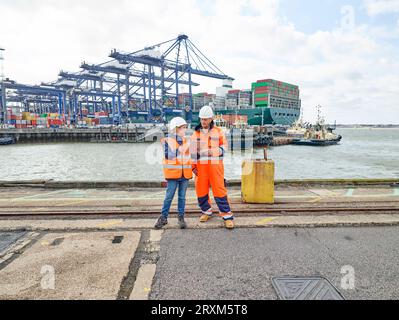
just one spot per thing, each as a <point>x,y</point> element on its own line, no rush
<point>262,88</point>
<point>261,84</point>
<point>265,80</point>
<point>104,120</point>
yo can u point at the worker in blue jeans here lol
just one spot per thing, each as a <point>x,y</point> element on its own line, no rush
<point>173,185</point>
<point>177,170</point>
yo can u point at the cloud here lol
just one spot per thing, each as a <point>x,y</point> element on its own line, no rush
<point>350,72</point>
<point>376,7</point>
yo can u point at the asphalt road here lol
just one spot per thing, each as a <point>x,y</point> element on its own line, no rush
<point>220,264</point>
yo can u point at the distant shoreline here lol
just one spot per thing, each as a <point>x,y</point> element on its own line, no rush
<point>370,126</point>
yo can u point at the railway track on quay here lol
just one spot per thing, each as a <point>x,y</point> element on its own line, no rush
<point>269,211</point>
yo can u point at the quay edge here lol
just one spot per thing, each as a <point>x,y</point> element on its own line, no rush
<point>52,184</point>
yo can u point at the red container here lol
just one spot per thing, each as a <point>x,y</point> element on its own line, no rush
<point>95,121</point>
<point>243,118</point>
<point>263,90</point>
<point>227,118</point>
<point>234,91</point>
<point>55,122</point>
<point>261,99</point>
<point>232,118</point>
<point>101,114</point>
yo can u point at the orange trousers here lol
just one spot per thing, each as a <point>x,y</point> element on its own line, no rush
<point>211,175</point>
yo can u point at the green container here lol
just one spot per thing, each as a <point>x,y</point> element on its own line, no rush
<point>44,115</point>
<point>261,84</point>
<point>261,95</point>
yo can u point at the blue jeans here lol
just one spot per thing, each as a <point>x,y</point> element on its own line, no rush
<point>182,184</point>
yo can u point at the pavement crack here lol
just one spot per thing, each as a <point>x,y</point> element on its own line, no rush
<point>328,250</point>
<point>147,252</point>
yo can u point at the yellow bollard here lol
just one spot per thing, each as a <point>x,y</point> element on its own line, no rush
<point>257,184</point>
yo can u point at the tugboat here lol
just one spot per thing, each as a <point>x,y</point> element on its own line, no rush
<point>297,130</point>
<point>6,141</point>
<point>318,135</point>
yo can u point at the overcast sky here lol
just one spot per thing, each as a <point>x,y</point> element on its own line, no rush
<point>342,54</point>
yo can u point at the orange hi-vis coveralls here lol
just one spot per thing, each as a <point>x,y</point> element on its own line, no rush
<point>207,151</point>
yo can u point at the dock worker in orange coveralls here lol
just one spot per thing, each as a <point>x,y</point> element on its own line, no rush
<point>208,147</point>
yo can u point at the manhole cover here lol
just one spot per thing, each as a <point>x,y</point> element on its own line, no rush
<point>305,288</point>
<point>8,238</point>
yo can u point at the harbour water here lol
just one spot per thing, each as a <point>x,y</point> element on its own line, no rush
<point>363,153</point>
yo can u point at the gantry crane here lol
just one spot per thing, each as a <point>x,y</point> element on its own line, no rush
<point>152,76</point>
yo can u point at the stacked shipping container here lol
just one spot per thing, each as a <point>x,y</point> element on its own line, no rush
<point>22,120</point>
<point>232,99</point>
<point>232,119</point>
<point>263,89</point>
<point>202,99</point>
<point>245,99</point>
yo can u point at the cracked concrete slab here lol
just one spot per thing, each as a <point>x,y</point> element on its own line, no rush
<point>71,266</point>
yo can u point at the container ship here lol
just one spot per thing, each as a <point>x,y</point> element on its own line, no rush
<point>268,102</point>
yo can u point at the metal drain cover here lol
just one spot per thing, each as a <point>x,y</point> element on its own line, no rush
<point>305,288</point>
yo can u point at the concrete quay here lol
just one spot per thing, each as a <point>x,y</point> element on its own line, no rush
<point>99,243</point>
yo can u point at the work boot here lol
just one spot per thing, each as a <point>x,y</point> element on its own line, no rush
<point>205,217</point>
<point>162,221</point>
<point>182,223</point>
<point>229,224</point>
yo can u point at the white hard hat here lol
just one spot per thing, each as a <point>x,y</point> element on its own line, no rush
<point>206,112</point>
<point>176,122</point>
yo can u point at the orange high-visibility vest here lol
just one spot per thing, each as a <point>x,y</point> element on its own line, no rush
<point>179,167</point>
<point>214,141</point>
